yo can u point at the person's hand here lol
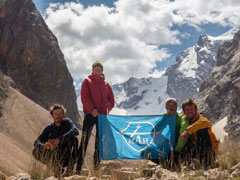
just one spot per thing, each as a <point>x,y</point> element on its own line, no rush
<point>184,135</point>
<point>54,142</point>
<point>48,146</point>
<point>95,113</point>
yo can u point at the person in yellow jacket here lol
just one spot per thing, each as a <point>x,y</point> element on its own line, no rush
<point>202,143</point>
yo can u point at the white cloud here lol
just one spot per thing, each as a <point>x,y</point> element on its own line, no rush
<point>127,38</point>
<point>198,12</point>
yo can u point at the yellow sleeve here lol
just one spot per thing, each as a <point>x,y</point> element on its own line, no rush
<point>202,123</point>
<point>215,143</point>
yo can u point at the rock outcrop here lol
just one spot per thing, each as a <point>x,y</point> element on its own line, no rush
<point>220,93</point>
<point>3,91</point>
<point>5,82</point>
<point>30,55</point>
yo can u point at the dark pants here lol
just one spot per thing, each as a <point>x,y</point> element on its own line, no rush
<point>88,123</point>
<point>202,150</point>
<point>63,156</point>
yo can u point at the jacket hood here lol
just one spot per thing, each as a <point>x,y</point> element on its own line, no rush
<point>96,77</point>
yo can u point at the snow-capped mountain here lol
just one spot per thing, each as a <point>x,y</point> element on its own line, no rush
<point>193,66</point>
<point>140,96</point>
<point>182,80</point>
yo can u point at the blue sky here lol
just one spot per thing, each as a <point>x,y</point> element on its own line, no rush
<point>43,4</point>
<point>133,38</point>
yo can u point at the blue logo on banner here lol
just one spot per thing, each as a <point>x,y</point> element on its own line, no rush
<point>135,134</point>
<point>136,137</point>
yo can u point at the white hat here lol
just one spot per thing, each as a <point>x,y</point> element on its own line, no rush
<point>173,100</point>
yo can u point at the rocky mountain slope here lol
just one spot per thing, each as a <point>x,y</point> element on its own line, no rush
<point>219,94</point>
<point>5,81</point>
<point>182,80</point>
<point>30,55</point>
<point>21,122</point>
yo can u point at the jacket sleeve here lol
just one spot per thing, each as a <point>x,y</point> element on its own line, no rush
<point>71,133</point>
<point>215,142</point>
<point>183,126</point>
<point>43,138</point>
<point>202,123</point>
<point>85,97</point>
<point>110,98</point>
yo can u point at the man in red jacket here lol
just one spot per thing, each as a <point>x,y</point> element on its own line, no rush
<point>97,98</point>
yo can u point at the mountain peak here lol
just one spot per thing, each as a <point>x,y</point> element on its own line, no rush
<point>203,39</point>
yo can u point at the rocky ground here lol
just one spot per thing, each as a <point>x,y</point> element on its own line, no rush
<point>147,170</point>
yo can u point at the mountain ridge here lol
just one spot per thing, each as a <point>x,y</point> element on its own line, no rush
<point>181,80</point>
<point>219,95</point>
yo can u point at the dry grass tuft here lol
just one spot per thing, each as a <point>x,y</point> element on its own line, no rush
<point>229,155</point>
<point>39,171</point>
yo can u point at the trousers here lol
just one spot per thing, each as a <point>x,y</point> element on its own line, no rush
<point>202,150</point>
<point>88,123</point>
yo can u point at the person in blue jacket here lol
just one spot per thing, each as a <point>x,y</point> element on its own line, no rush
<point>57,144</point>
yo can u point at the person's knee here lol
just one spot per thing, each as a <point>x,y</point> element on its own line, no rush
<point>71,149</point>
<point>203,132</point>
<point>36,153</point>
<point>73,144</point>
<point>203,139</point>
<point>41,155</point>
